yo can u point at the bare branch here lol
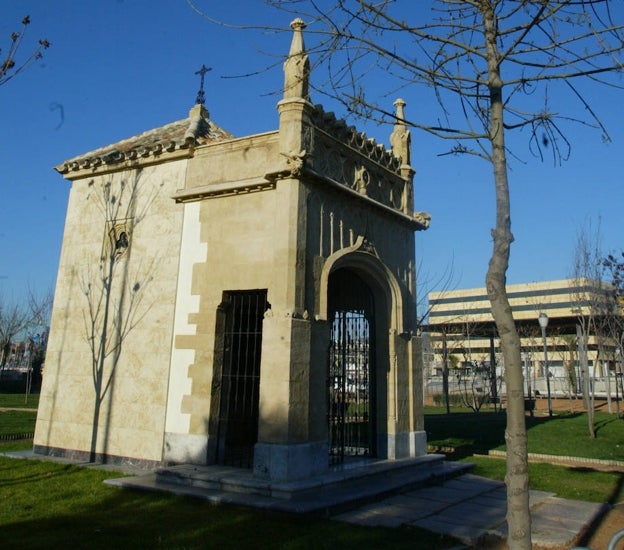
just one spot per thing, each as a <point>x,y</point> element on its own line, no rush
<point>10,67</point>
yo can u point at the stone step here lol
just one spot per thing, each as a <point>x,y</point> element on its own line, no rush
<point>341,489</point>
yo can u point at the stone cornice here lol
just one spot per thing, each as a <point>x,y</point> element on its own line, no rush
<point>223,189</point>
<point>91,166</point>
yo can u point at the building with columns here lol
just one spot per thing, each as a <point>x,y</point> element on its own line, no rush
<point>580,338</point>
<point>239,301</point>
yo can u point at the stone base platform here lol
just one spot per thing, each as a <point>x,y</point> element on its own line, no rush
<point>342,488</point>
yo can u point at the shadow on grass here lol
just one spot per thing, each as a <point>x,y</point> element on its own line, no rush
<point>73,508</point>
<point>616,496</point>
<point>461,434</point>
<point>603,423</point>
<point>36,476</point>
<point>151,521</point>
<point>618,492</point>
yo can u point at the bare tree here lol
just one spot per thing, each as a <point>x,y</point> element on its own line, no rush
<point>426,284</point>
<point>598,313</point>
<point>530,336</point>
<point>474,385</point>
<point>567,350</point>
<point>613,265</point>
<point>18,319</point>
<point>445,371</point>
<point>492,66</point>
<point>40,306</point>
<point>450,342</point>
<point>614,268</point>
<point>11,64</point>
<point>14,319</point>
<point>584,268</point>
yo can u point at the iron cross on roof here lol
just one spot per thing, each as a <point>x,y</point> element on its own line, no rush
<point>201,97</point>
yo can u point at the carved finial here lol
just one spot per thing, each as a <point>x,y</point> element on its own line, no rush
<point>400,139</point>
<point>296,46</point>
<point>201,97</point>
<point>297,66</point>
<point>400,113</point>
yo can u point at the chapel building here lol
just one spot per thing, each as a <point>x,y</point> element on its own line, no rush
<point>246,301</point>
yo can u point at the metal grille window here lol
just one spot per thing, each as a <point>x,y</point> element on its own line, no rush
<point>240,381</point>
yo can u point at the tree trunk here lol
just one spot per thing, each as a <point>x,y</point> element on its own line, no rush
<point>517,476</point>
<point>609,400</point>
<point>588,402</point>
<point>445,374</point>
<point>571,382</point>
<point>492,374</point>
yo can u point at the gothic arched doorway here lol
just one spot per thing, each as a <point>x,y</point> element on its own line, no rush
<point>351,373</point>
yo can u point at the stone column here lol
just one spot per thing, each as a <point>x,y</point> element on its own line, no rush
<point>406,435</point>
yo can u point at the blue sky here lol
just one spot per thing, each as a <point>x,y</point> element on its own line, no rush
<point>120,67</point>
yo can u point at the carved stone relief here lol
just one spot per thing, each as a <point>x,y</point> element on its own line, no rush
<point>335,162</point>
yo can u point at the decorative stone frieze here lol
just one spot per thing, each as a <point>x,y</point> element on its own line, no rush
<point>363,175</point>
<point>358,141</point>
<point>348,157</point>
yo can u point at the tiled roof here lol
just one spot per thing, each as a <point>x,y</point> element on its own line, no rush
<point>195,130</point>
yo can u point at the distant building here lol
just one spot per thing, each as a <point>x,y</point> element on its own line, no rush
<point>462,321</point>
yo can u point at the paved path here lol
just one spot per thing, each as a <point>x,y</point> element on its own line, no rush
<point>468,507</point>
<point>473,509</point>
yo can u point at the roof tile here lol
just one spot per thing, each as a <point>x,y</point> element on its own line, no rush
<point>196,129</point>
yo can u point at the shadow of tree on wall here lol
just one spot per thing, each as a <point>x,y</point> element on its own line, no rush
<point>114,291</point>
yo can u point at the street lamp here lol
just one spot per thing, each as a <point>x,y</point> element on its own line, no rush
<point>617,397</point>
<point>543,323</point>
<point>527,369</point>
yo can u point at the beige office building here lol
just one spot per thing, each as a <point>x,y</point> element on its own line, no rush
<point>464,320</point>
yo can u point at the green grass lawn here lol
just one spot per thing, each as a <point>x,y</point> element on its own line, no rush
<point>577,483</point>
<point>17,422</point>
<point>565,434</point>
<point>19,400</point>
<point>568,434</point>
<point>467,436</point>
<point>47,505</point>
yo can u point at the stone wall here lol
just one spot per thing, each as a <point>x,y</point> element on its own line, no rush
<point>133,316</point>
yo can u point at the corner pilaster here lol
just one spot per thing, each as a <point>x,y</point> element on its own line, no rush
<point>292,442</point>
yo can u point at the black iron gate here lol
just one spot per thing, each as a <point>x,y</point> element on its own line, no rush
<point>349,386</point>
<point>240,379</point>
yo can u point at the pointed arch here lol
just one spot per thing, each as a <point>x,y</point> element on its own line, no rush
<point>373,271</point>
